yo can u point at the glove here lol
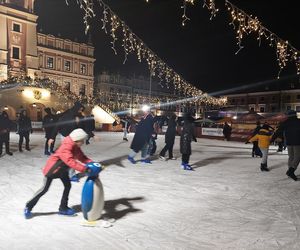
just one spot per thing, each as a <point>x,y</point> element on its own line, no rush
<point>195,140</point>
<point>93,169</point>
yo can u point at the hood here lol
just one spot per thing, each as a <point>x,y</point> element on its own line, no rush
<point>76,107</point>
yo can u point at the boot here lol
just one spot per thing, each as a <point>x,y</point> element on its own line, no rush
<point>20,148</point>
<point>291,173</point>
<point>264,167</point>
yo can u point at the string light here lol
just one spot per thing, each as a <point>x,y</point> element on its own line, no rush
<point>211,6</point>
<point>131,43</point>
<point>245,24</point>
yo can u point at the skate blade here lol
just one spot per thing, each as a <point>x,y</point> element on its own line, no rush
<point>100,223</point>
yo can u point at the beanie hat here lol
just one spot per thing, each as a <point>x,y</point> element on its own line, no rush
<point>78,135</point>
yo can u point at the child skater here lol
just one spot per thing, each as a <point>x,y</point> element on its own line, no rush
<point>68,155</point>
<point>263,137</point>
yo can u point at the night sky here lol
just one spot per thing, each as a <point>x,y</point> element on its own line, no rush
<point>203,51</point>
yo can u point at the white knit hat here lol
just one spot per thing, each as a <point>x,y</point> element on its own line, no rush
<point>78,134</point>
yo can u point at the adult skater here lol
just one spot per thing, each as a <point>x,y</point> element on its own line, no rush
<point>68,155</point>
<point>66,123</point>
<point>291,129</point>
<point>187,135</point>
<point>49,122</point>
<point>169,139</point>
<point>141,138</point>
<point>89,127</point>
<point>263,137</point>
<point>126,124</point>
<point>5,127</point>
<point>24,130</point>
<point>227,131</point>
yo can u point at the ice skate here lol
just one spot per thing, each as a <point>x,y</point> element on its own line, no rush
<point>291,173</point>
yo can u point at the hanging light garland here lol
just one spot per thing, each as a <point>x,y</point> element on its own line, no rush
<point>245,24</point>
<point>131,43</point>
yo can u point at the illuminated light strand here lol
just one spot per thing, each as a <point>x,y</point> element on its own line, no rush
<point>131,43</point>
<point>245,24</point>
<point>211,6</point>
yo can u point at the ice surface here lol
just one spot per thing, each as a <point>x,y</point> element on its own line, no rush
<point>226,203</point>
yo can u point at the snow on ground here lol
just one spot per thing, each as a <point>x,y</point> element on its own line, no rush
<point>226,203</point>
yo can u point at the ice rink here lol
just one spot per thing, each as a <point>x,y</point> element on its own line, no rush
<point>226,203</point>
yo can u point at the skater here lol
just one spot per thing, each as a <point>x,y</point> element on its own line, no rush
<point>152,144</point>
<point>24,130</point>
<point>263,137</point>
<point>141,138</point>
<point>255,149</point>
<point>279,140</point>
<point>49,121</point>
<point>291,130</point>
<point>227,131</point>
<point>5,127</point>
<point>89,128</point>
<point>65,124</point>
<point>68,155</point>
<point>126,125</point>
<point>187,135</point>
<point>169,139</point>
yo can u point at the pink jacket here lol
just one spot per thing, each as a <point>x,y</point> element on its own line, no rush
<point>68,154</point>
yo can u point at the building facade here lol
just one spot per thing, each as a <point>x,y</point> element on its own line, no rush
<point>24,51</point>
<point>122,93</point>
<point>267,101</point>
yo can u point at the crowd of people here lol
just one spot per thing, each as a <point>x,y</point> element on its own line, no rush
<point>286,135</point>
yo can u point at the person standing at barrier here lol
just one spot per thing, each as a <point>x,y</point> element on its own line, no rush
<point>24,130</point>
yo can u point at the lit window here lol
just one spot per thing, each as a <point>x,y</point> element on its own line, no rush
<point>16,53</point>
<point>50,62</point>
<point>67,66</point>
<point>82,69</point>
<point>16,27</point>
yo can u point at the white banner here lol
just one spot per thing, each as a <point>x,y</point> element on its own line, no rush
<point>36,124</point>
<point>212,131</point>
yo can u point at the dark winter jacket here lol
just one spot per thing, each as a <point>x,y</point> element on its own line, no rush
<point>24,124</point>
<point>49,123</point>
<point>227,130</point>
<point>291,130</point>
<point>143,133</point>
<point>171,132</point>
<point>66,121</point>
<point>187,135</point>
<point>5,126</point>
<point>89,124</point>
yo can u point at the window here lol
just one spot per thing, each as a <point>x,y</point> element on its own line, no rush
<point>262,98</point>
<point>273,109</point>
<point>288,97</point>
<point>67,66</point>
<point>273,98</point>
<point>233,100</point>
<point>298,97</point>
<point>67,86</point>
<point>50,62</point>
<point>261,109</point>
<point>82,69</point>
<point>16,27</point>
<point>297,108</point>
<point>16,53</point>
<point>242,100</point>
